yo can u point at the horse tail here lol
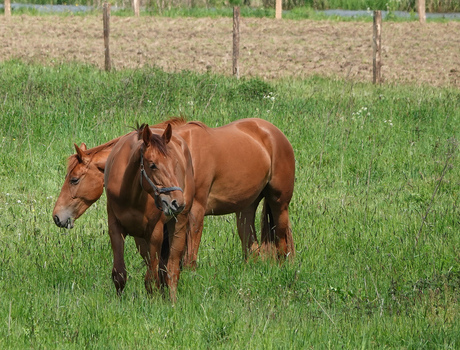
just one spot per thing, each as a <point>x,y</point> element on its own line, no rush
<point>290,244</point>
<point>268,237</point>
<point>267,230</point>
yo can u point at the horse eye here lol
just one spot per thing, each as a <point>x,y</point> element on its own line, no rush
<point>74,180</point>
<point>153,166</point>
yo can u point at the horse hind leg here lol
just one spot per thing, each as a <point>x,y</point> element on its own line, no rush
<point>246,230</point>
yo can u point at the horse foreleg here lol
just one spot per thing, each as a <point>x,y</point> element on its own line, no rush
<point>177,241</point>
<point>117,240</point>
<point>143,248</point>
<point>246,230</point>
<point>196,219</point>
<point>153,257</point>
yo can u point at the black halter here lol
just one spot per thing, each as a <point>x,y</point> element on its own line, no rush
<point>157,190</point>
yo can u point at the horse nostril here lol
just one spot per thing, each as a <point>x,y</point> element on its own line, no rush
<point>172,207</point>
<point>177,207</point>
<point>56,219</point>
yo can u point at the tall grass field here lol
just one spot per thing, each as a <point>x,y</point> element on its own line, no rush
<point>375,217</point>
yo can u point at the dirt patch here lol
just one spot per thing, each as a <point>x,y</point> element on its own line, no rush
<point>268,48</point>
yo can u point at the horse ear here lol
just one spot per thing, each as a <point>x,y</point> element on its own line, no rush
<point>83,146</point>
<point>146,134</point>
<point>81,156</point>
<point>167,134</point>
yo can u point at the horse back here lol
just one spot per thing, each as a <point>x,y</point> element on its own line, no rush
<point>234,163</point>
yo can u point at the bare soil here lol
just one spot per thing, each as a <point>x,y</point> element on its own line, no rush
<point>269,49</point>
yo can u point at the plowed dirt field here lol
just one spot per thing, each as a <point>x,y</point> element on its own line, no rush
<point>270,49</point>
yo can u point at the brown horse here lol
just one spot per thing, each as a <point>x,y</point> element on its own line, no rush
<point>149,183</point>
<point>235,166</point>
<point>84,183</point>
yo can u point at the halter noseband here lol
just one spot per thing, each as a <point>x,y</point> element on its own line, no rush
<point>157,190</point>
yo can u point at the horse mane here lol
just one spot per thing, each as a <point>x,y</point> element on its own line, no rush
<point>177,121</point>
<point>72,161</point>
<point>174,121</point>
<point>200,124</point>
<point>155,140</point>
<point>139,129</point>
<point>158,142</point>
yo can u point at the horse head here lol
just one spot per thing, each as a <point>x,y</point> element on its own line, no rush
<point>161,174</point>
<point>83,185</point>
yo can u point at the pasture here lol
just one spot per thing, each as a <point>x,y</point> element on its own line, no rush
<point>375,217</point>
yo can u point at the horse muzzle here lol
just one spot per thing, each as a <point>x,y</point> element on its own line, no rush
<point>67,223</point>
<point>171,206</point>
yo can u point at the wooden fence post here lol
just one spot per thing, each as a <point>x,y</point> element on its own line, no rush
<point>421,11</point>
<point>136,7</point>
<point>106,22</point>
<point>236,41</point>
<point>278,9</point>
<point>7,6</point>
<point>377,46</point>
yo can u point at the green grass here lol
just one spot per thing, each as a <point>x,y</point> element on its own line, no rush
<point>375,217</point>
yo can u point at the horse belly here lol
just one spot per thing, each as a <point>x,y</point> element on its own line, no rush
<point>232,167</point>
<point>221,207</point>
<point>228,197</point>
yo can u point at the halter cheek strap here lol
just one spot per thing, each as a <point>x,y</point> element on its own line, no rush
<point>156,189</point>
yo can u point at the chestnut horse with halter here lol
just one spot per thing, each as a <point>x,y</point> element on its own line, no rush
<point>84,181</point>
<point>149,183</point>
<point>235,167</point>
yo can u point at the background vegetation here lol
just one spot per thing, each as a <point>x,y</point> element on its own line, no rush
<point>375,217</point>
<point>391,5</point>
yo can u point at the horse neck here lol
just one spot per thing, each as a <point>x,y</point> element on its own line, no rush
<point>100,158</point>
<point>132,188</point>
<point>99,154</point>
<point>127,166</point>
